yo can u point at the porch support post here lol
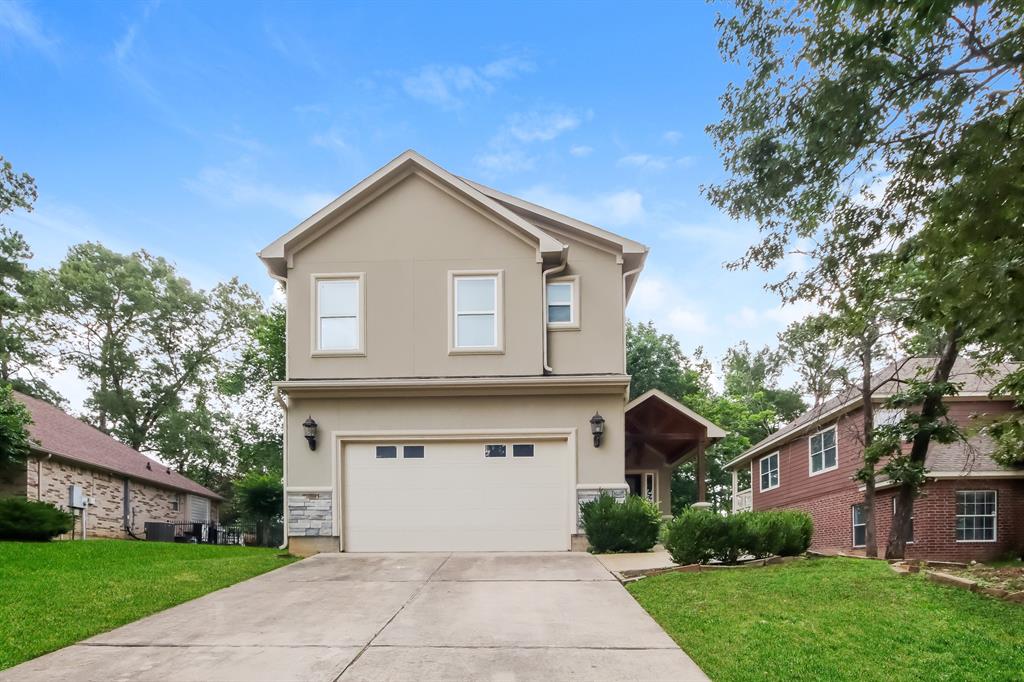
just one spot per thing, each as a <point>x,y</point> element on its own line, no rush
<point>702,468</point>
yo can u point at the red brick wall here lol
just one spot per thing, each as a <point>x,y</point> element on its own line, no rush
<point>829,497</point>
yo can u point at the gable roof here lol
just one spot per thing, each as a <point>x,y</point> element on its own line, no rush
<point>714,431</point>
<point>633,254</point>
<point>57,433</point>
<point>276,254</point>
<point>885,383</point>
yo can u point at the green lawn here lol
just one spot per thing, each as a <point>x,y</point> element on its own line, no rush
<point>54,594</point>
<point>835,619</point>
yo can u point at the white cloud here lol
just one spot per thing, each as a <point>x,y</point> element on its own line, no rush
<point>775,318</point>
<point>22,26</point>
<point>508,161</point>
<point>581,150</point>
<point>232,184</point>
<point>331,139</point>
<point>507,150</point>
<point>537,126</point>
<point>446,85</point>
<point>645,161</point>
<point>658,300</point>
<point>655,163</point>
<point>611,208</point>
<point>672,136</point>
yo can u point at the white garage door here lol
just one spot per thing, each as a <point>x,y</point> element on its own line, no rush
<point>498,495</point>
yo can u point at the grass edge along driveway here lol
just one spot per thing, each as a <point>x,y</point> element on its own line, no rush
<point>58,593</point>
<point>834,619</point>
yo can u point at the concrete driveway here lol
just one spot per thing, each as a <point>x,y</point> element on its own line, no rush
<point>392,617</point>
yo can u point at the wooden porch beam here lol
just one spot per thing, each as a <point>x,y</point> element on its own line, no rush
<point>702,468</point>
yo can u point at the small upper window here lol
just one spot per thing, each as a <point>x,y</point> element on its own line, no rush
<point>770,472</point>
<point>387,452</point>
<point>888,417</point>
<point>476,311</point>
<point>338,303</point>
<point>494,451</point>
<point>561,303</point>
<point>522,450</point>
<point>823,451</point>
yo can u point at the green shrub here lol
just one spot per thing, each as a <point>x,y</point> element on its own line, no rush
<point>797,529</point>
<point>22,519</point>
<point>690,537</point>
<point>628,526</point>
<point>698,536</point>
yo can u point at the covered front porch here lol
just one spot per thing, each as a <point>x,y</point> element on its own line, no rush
<point>662,434</point>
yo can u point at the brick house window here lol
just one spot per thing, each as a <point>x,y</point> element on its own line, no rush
<point>769,472</point>
<point>976,516</point>
<point>860,527</point>
<point>823,451</point>
<point>176,502</point>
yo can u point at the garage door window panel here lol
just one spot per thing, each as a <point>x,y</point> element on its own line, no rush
<point>413,452</point>
<point>494,451</point>
<point>387,452</point>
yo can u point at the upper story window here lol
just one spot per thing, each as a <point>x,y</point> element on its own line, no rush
<point>770,472</point>
<point>476,324</point>
<point>888,417</point>
<point>563,301</point>
<point>823,451</point>
<point>339,314</point>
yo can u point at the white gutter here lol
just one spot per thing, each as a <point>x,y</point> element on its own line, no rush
<point>544,304</point>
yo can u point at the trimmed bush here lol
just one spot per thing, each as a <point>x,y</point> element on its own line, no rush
<point>628,526</point>
<point>690,537</point>
<point>22,519</point>
<point>698,536</point>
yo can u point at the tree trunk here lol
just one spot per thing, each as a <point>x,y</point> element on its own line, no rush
<point>901,522</point>
<point>868,411</point>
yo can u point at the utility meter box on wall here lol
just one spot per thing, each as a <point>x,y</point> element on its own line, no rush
<point>76,500</point>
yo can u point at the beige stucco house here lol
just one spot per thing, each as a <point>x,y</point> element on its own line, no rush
<point>452,351</point>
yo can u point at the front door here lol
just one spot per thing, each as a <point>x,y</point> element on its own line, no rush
<point>634,481</point>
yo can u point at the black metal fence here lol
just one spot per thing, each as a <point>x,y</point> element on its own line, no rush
<point>254,534</point>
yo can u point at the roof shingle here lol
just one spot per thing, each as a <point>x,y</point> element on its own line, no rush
<point>58,433</point>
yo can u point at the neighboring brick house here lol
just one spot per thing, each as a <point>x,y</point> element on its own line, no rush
<point>970,507</point>
<point>124,488</point>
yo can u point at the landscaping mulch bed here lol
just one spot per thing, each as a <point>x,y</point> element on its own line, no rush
<point>1003,577</point>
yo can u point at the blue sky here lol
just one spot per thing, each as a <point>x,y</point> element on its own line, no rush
<point>202,131</point>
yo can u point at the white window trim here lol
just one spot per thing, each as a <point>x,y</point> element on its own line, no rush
<point>315,279</point>
<point>995,517</point>
<point>853,527</point>
<point>574,323</point>
<point>778,470</point>
<point>644,474</point>
<point>499,313</point>
<point>810,452</point>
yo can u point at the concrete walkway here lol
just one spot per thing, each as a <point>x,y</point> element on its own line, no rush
<point>391,617</point>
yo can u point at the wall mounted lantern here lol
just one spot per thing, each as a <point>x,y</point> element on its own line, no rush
<point>597,428</point>
<point>309,429</point>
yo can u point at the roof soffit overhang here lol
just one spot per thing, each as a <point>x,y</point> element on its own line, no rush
<point>612,384</point>
<point>278,254</point>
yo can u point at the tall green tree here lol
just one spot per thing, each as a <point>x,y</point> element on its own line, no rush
<point>14,437</point>
<point>886,127</point>
<point>142,337</point>
<point>655,360</point>
<point>23,345</point>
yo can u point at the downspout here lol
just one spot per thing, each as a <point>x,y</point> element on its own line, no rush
<point>626,275</point>
<point>544,303</point>
<point>284,463</point>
